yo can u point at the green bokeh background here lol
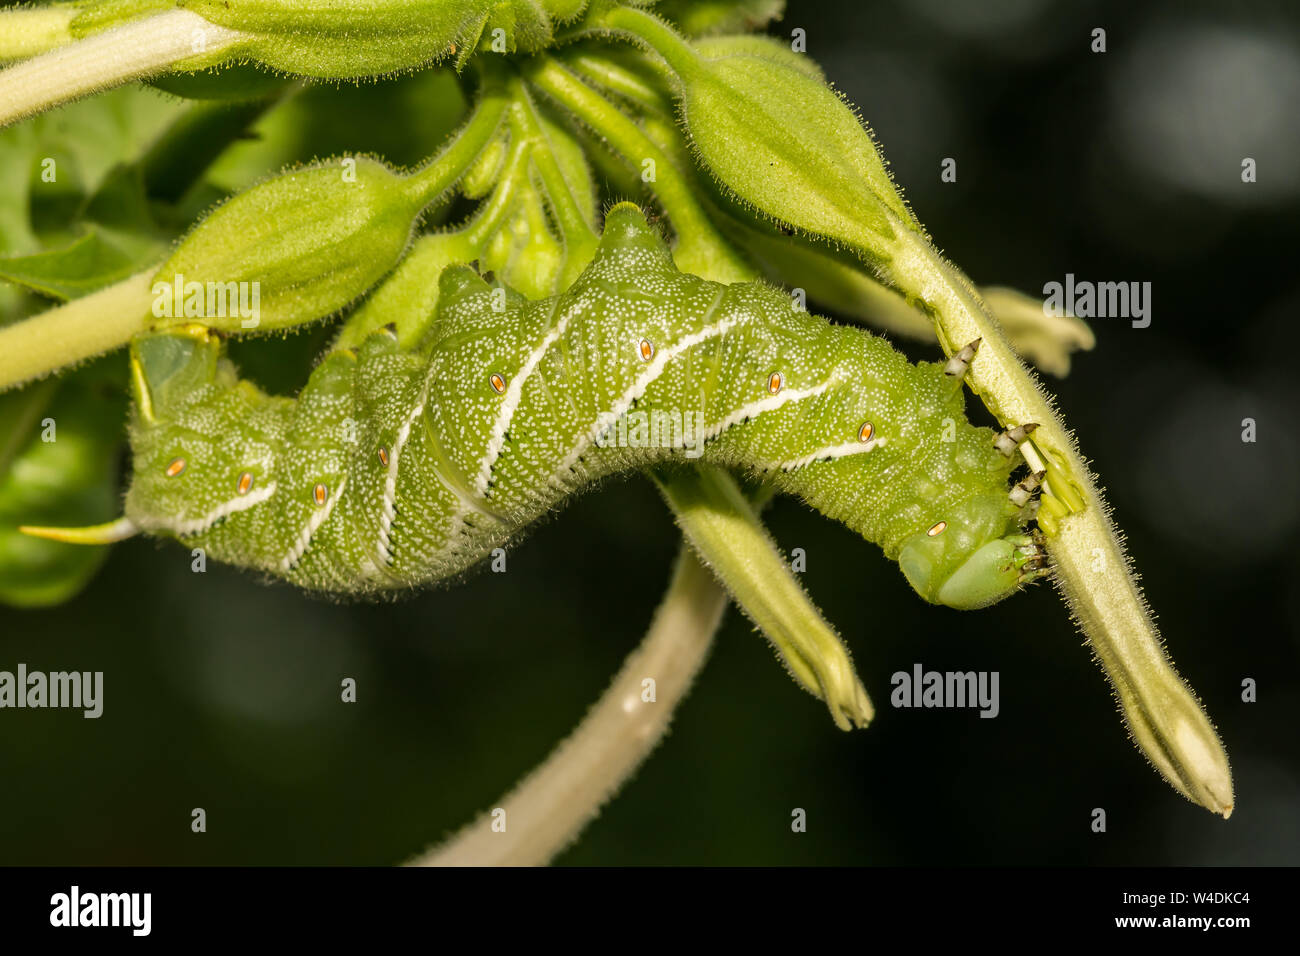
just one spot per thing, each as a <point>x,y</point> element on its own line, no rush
<point>223,693</point>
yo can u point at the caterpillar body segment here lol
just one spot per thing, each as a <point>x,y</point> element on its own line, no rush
<point>393,467</point>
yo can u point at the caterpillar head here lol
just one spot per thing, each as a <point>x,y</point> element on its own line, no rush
<point>167,367</point>
<point>972,559</point>
<point>170,372</point>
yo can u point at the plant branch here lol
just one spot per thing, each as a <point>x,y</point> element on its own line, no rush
<point>135,50</point>
<point>1091,568</point>
<point>547,811</point>
<point>465,145</point>
<point>27,31</point>
<point>76,330</point>
<point>701,248</point>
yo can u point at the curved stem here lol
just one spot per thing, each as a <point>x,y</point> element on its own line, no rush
<point>138,49</point>
<point>76,330</point>
<point>492,213</point>
<point>549,808</point>
<point>618,79</point>
<point>653,33</point>
<point>27,31</point>
<point>568,216</point>
<point>701,248</point>
<point>443,170</point>
<point>1090,565</point>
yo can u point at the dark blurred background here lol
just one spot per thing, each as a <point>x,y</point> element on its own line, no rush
<point>223,693</point>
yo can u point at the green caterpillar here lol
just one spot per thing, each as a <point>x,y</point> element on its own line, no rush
<point>393,468</point>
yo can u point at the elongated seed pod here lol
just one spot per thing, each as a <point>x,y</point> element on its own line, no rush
<point>393,468</point>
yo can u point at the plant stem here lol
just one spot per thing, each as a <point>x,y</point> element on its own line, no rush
<point>721,524</point>
<point>492,213</point>
<point>701,248</point>
<point>76,330</point>
<point>579,237</point>
<point>618,79</point>
<point>1091,567</point>
<point>550,807</point>
<point>573,225</point>
<point>27,31</point>
<point>441,172</point>
<point>654,33</point>
<point>137,49</point>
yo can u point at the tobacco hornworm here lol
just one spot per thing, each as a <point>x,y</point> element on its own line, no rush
<point>396,467</point>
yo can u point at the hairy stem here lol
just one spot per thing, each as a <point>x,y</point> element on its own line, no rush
<point>579,237</point>
<point>573,224</point>
<point>1091,567</point>
<point>701,248</point>
<point>549,808</point>
<point>465,145</point>
<point>721,525</point>
<point>76,330</point>
<point>135,50</point>
<point>617,79</point>
<point>653,33</point>
<point>27,31</point>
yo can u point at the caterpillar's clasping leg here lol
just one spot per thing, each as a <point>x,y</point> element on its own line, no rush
<point>1024,489</point>
<point>107,533</point>
<point>1008,441</point>
<point>959,364</point>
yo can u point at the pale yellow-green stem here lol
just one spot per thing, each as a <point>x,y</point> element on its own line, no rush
<point>1091,568</point>
<point>701,247</point>
<point>27,31</point>
<point>548,809</point>
<point>132,51</point>
<point>76,330</point>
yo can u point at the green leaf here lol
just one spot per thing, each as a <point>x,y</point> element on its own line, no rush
<point>88,263</point>
<point>235,83</point>
<point>59,446</point>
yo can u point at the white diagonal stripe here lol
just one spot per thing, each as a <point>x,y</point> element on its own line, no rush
<point>388,507</point>
<point>653,370</point>
<point>514,392</point>
<point>199,525</point>
<point>768,404</point>
<point>829,453</point>
<point>318,518</point>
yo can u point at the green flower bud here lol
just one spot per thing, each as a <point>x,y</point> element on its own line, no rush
<point>310,241</point>
<point>709,17</point>
<point>752,44</point>
<point>778,138</point>
<point>530,262</point>
<point>295,248</point>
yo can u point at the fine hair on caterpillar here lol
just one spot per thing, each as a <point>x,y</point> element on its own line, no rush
<point>394,467</point>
